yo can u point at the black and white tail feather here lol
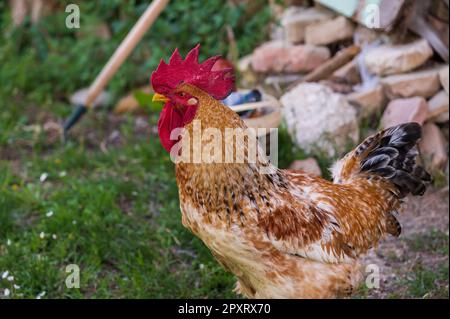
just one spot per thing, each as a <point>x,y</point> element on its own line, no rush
<point>390,154</point>
<point>394,158</point>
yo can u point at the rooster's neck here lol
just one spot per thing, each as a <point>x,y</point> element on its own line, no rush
<point>217,139</point>
<point>218,182</point>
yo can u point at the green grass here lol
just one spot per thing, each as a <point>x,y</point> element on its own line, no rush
<point>431,280</point>
<point>431,241</point>
<point>428,283</point>
<point>115,214</point>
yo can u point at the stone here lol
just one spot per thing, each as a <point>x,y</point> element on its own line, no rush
<point>348,73</point>
<point>372,14</point>
<point>319,120</point>
<point>296,19</point>
<point>443,76</point>
<point>368,102</point>
<point>405,110</point>
<point>248,77</point>
<point>440,40</point>
<point>282,79</point>
<point>80,96</point>
<point>423,83</point>
<point>244,63</point>
<point>439,9</point>
<point>338,87</point>
<point>393,59</point>
<point>329,31</point>
<point>433,147</point>
<point>129,103</point>
<point>308,165</point>
<point>438,105</point>
<point>277,56</point>
<point>364,36</point>
<point>441,118</point>
<point>276,32</point>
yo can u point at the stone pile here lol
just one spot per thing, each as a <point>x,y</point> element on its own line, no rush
<point>387,82</point>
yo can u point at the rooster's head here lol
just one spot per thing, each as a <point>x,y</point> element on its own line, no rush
<point>169,83</point>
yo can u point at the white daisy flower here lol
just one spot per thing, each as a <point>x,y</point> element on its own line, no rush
<point>16,286</point>
<point>6,292</point>
<point>40,295</point>
<point>5,274</point>
<point>42,234</point>
<point>49,213</point>
<point>54,236</point>
<point>10,278</point>
<point>43,177</point>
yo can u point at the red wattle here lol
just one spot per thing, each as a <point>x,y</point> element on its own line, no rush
<point>172,118</point>
<point>168,120</point>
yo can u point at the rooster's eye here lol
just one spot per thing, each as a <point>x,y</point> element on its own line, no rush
<point>181,94</point>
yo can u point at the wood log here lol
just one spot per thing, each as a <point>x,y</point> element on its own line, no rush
<point>326,70</point>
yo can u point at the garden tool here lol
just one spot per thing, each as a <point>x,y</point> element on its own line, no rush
<point>116,60</point>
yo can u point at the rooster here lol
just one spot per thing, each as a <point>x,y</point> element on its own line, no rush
<point>282,233</point>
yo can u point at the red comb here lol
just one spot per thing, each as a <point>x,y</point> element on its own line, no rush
<point>167,77</point>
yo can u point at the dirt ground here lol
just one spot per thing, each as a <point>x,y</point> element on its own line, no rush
<point>418,259</point>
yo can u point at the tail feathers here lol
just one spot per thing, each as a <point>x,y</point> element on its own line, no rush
<point>393,156</point>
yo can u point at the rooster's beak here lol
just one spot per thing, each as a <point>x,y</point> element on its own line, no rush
<point>159,98</point>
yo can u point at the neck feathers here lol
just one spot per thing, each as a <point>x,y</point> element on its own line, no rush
<point>228,150</point>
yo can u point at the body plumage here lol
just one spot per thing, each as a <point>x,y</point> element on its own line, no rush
<point>283,233</point>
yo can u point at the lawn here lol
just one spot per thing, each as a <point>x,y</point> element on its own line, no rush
<point>114,212</point>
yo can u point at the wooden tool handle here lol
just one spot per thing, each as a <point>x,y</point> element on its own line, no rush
<point>125,48</point>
